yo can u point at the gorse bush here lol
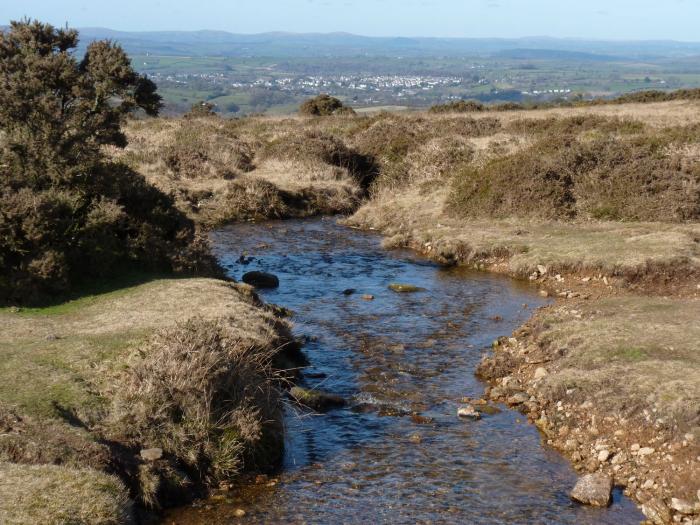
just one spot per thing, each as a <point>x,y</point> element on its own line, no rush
<point>642,177</point>
<point>323,106</point>
<point>66,212</point>
<point>459,106</point>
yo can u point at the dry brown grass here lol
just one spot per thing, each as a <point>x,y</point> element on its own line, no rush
<point>57,495</point>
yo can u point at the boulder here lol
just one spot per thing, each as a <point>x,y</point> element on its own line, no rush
<point>593,489</point>
<point>261,279</point>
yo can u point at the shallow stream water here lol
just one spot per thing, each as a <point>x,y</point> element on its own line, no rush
<point>397,453</point>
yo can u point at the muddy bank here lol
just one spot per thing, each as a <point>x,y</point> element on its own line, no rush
<point>611,372</point>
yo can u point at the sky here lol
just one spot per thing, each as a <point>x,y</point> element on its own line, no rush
<point>597,19</point>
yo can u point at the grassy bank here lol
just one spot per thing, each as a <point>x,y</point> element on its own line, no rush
<point>180,365</point>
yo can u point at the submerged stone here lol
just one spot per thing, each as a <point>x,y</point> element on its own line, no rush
<point>316,399</point>
<point>405,288</point>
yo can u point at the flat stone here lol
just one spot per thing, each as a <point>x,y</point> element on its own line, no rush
<point>468,411</point>
<point>261,279</point>
<point>593,489</point>
<point>152,454</point>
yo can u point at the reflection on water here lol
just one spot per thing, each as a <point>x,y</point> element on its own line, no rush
<point>398,453</point>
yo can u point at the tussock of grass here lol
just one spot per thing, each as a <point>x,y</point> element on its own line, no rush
<point>203,395</point>
<point>56,495</point>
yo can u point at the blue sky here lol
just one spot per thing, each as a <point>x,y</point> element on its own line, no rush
<point>610,19</point>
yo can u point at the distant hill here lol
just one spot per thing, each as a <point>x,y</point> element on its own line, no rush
<point>295,45</point>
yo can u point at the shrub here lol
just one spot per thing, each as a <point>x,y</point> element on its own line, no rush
<point>324,105</point>
<point>201,150</point>
<point>201,110</point>
<point>459,106</point>
<point>66,213</point>
<point>643,177</point>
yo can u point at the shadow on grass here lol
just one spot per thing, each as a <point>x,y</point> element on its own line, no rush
<point>90,291</point>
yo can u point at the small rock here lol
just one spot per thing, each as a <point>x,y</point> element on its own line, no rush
<point>540,372</point>
<point>648,484</point>
<point>656,512</point>
<point>152,454</point>
<point>635,447</point>
<point>239,513</point>
<point>349,291</point>
<point>468,411</point>
<point>52,337</point>
<point>593,489</point>
<point>544,293</point>
<point>603,456</point>
<point>261,279</point>
<point>368,297</point>
<point>645,451</point>
<point>541,269</point>
<point>405,288</point>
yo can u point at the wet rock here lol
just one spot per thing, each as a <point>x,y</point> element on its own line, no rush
<point>544,293</point>
<point>368,297</point>
<point>405,288</point>
<point>152,454</point>
<point>348,291</point>
<point>468,412</point>
<point>261,279</point>
<point>593,489</point>
<point>657,512</point>
<point>489,410</point>
<point>315,399</point>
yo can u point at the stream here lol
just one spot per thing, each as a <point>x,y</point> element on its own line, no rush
<point>397,453</point>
